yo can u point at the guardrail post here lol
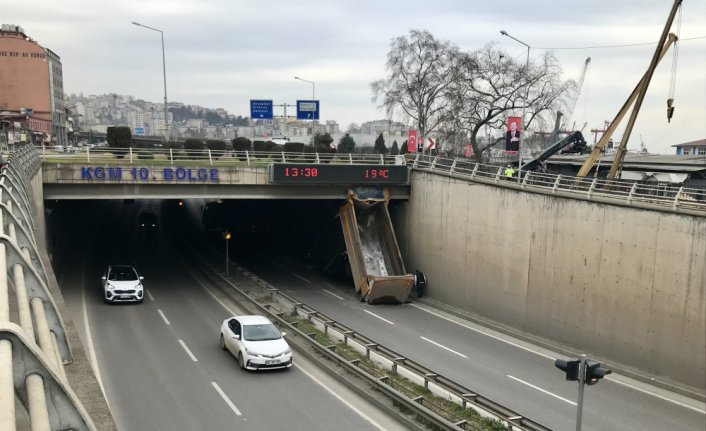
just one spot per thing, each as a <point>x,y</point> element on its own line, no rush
<point>382,159</point>
<point>38,413</point>
<point>88,154</point>
<point>676,198</point>
<point>475,170</point>
<point>524,180</point>
<point>284,158</point>
<point>7,388</point>
<point>210,159</point>
<point>130,155</point>
<point>453,166</point>
<point>317,158</point>
<point>350,158</point>
<point>433,163</point>
<point>593,186</point>
<point>632,192</point>
<point>171,156</point>
<point>556,183</point>
<point>247,157</point>
<point>497,175</point>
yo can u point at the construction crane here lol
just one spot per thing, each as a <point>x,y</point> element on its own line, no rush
<point>579,86</point>
<point>637,96</point>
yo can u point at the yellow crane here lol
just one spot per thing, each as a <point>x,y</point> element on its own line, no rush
<point>638,94</point>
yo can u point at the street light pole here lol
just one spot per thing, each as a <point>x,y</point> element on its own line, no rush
<point>164,74</point>
<point>313,100</point>
<point>226,237</point>
<point>524,105</point>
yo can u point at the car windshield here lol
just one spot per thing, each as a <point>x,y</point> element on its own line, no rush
<point>122,274</point>
<point>262,332</point>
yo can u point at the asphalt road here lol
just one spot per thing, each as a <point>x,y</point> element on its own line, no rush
<point>159,362</point>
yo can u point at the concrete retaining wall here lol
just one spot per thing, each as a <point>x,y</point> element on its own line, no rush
<point>624,284</point>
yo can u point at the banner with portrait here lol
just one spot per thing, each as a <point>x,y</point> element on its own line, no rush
<point>512,135</point>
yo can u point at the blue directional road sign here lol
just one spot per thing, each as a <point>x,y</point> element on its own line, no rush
<point>307,109</point>
<point>139,131</point>
<point>260,109</point>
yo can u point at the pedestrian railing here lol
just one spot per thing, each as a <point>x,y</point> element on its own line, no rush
<point>674,198</point>
<point>33,344</point>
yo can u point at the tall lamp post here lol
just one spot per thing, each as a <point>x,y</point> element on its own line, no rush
<point>164,72</point>
<point>522,132</point>
<point>313,98</point>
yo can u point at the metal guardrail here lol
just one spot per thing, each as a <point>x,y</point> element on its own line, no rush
<point>33,344</point>
<point>672,198</point>
<point>173,156</point>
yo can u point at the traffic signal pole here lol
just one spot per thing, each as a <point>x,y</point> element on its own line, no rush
<point>582,378</point>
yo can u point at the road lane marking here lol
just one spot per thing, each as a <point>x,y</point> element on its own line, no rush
<point>542,390</point>
<point>163,317</point>
<point>333,294</point>
<point>486,333</point>
<point>284,268</point>
<point>89,339</point>
<point>661,397</point>
<point>381,318</point>
<point>444,347</point>
<point>150,295</point>
<point>188,352</point>
<point>226,399</point>
<point>344,401</point>
<point>609,379</point>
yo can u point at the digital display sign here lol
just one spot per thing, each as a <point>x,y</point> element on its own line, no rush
<point>306,173</point>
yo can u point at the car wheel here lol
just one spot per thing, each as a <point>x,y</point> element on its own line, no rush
<point>241,361</point>
<point>223,343</point>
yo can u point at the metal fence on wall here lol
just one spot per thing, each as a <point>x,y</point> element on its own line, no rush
<point>34,390</point>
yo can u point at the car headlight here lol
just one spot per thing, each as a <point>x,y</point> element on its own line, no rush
<point>287,352</point>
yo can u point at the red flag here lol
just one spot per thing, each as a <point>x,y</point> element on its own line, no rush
<point>512,136</point>
<point>412,141</point>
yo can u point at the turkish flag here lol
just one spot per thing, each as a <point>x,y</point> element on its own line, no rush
<point>468,150</point>
<point>412,141</point>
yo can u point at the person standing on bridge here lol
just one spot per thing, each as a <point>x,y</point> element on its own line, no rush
<point>509,171</point>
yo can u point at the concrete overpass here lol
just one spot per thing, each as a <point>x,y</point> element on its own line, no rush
<point>613,269</point>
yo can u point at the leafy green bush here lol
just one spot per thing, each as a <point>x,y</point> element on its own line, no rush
<point>120,138</point>
<point>194,148</point>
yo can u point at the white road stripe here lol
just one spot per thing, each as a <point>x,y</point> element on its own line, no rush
<point>542,390</point>
<point>381,318</point>
<point>188,352</point>
<point>661,397</point>
<point>226,399</point>
<point>350,406</point>
<point>444,347</point>
<point>333,294</point>
<point>486,334</point>
<point>150,295</point>
<point>163,317</point>
<point>609,379</point>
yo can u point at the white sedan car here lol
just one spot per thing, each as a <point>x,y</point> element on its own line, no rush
<point>256,342</point>
<point>121,283</point>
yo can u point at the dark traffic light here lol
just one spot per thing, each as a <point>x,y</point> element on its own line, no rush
<point>571,368</point>
<point>594,373</point>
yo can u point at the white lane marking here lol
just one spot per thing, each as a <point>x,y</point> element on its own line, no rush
<point>89,341</point>
<point>348,404</point>
<point>188,352</point>
<point>150,295</point>
<point>611,379</point>
<point>333,294</point>
<point>661,397</point>
<point>486,333</point>
<point>444,347</point>
<point>300,277</point>
<point>542,390</point>
<point>381,318</point>
<point>226,399</point>
<point>163,317</point>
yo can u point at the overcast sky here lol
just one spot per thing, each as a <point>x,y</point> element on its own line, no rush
<point>222,53</point>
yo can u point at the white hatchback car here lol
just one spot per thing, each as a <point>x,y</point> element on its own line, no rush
<point>121,283</point>
<point>256,342</point>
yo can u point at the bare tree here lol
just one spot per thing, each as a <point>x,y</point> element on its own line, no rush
<point>493,85</point>
<point>419,71</point>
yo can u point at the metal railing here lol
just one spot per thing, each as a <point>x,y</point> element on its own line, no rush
<point>673,198</point>
<point>173,156</point>
<point>33,344</point>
